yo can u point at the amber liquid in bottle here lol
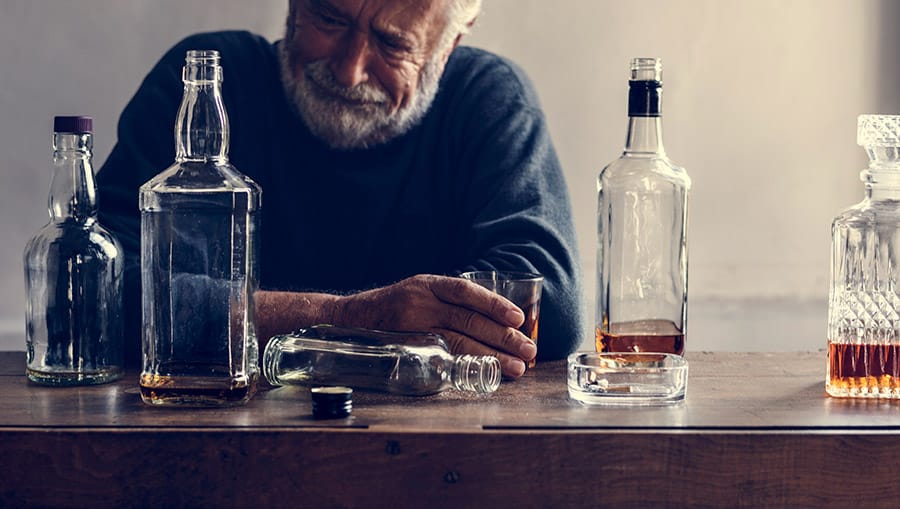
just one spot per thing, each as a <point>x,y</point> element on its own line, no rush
<point>640,336</point>
<point>863,343</point>
<point>199,258</point>
<point>196,391</point>
<point>863,369</point>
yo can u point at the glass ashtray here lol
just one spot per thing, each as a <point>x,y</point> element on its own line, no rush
<point>626,378</point>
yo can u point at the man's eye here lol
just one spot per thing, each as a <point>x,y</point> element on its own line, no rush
<point>393,45</point>
<point>330,20</point>
<point>324,19</point>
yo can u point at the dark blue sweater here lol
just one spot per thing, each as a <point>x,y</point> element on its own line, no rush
<point>476,185</point>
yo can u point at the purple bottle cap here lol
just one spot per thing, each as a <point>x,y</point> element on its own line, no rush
<point>74,125</point>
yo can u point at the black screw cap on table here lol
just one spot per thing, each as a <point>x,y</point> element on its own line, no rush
<point>332,402</point>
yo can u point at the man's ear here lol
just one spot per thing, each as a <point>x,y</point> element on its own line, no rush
<point>446,55</point>
<point>452,47</point>
<point>292,10</point>
<point>291,16</point>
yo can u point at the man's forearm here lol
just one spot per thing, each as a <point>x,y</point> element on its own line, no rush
<point>472,319</point>
<point>283,312</point>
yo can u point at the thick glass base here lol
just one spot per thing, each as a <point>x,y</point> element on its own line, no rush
<point>196,391</point>
<point>864,387</point>
<point>70,379</point>
<point>863,370</point>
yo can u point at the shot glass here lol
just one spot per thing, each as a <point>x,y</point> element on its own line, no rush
<point>521,288</point>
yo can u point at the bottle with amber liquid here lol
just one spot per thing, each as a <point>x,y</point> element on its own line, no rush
<point>199,261</point>
<point>642,219</point>
<point>863,319</point>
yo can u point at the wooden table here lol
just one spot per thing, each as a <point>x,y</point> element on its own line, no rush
<point>756,430</point>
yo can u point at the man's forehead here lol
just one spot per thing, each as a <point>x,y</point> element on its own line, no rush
<point>403,15</point>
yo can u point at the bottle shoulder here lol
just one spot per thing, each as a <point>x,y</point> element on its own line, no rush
<point>71,239</point>
<point>634,167</point>
<point>211,185</point>
<point>208,176</point>
<point>869,212</point>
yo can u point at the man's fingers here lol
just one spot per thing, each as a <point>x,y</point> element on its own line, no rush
<point>470,295</point>
<point>510,365</point>
<point>475,325</point>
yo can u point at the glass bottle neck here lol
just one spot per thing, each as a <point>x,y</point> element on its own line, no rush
<point>882,183</point>
<point>72,190</point>
<point>644,136</point>
<point>201,129</point>
<point>882,177</point>
<point>644,121</point>
<point>475,373</point>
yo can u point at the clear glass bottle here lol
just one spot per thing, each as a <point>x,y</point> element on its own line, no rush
<point>412,364</point>
<point>199,259</point>
<point>642,232</point>
<point>863,320</point>
<point>73,275</point>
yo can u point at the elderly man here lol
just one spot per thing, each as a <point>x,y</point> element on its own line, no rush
<point>390,160</point>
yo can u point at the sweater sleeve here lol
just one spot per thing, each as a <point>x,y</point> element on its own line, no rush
<point>516,201</point>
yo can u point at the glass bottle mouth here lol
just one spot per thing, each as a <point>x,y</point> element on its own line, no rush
<point>646,69</point>
<point>477,373</point>
<point>73,142</point>
<point>206,56</point>
<point>201,67</point>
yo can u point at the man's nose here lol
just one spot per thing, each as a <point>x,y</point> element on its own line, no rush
<point>351,66</point>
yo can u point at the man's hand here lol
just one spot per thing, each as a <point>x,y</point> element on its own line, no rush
<point>472,319</point>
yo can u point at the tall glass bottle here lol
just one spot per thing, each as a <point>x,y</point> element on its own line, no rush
<point>411,364</point>
<point>642,232</point>
<point>199,260</point>
<point>863,319</point>
<point>73,275</point>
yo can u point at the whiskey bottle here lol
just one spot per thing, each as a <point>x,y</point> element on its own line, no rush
<point>199,261</point>
<point>642,232</point>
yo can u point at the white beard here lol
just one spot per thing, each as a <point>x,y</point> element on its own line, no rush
<point>347,124</point>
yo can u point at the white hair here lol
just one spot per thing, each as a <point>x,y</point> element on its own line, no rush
<point>462,16</point>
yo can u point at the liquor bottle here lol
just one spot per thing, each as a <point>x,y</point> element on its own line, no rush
<point>199,260</point>
<point>863,321</point>
<point>73,275</point>
<point>642,232</point>
<point>412,364</point>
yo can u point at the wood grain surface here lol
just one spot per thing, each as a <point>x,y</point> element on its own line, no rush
<point>756,430</point>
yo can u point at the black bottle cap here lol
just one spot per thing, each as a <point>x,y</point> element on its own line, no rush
<point>74,125</point>
<point>332,402</point>
<point>644,98</point>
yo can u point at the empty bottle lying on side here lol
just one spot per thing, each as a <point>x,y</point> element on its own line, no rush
<point>412,364</point>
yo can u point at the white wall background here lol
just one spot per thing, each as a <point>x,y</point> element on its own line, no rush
<point>760,106</point>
